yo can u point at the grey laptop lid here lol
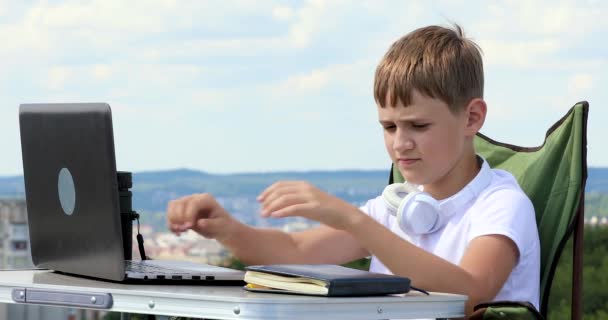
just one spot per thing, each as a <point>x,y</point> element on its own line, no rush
<point>71,188</point>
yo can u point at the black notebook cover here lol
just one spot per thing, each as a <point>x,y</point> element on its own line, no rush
<point>342,281</point>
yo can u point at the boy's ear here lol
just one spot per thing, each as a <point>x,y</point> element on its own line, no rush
<point>475,115</point>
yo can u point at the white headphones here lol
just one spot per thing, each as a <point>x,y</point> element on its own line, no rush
<point>419,213</point>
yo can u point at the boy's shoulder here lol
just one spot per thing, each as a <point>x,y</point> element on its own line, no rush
<point>504,208</point>
<point>503,196</point>
<point>502,184</point>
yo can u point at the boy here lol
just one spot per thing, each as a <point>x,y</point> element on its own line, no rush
<point>429,92</point>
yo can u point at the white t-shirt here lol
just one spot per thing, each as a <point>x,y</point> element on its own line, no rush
<point>501,208</point>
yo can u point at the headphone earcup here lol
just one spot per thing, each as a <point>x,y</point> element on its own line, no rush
<point>419,213</point>
<point>393,194</point>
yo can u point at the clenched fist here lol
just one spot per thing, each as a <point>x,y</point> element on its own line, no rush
<point>201,213</point>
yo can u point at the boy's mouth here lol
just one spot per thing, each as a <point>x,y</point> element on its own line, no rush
<point>405,162</point>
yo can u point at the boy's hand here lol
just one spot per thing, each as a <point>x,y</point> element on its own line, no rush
<point>299,198</point>
<point>201,213</point>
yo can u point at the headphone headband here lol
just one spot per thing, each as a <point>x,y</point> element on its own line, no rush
<point>418,213</point>
<point>469,192</point>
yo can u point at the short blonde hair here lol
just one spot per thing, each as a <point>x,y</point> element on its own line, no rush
<point>436,61</point>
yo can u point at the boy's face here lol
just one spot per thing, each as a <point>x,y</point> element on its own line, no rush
<point>425,139</point>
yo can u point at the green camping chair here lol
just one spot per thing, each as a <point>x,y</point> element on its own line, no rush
<point>553,176</point>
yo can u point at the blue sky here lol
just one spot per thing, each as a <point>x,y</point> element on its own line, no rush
<point>241,86</point>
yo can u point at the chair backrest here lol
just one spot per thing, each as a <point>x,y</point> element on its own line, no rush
<point>553,175</point>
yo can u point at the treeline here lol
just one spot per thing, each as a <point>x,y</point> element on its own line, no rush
<point>596,204</point>
<point>595,278</point>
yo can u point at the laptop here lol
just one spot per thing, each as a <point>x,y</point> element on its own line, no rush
<point>72,199</point>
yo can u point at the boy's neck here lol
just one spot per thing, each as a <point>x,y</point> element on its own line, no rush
<point>462,173</point>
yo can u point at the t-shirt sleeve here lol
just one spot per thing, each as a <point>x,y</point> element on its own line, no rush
<point>507,212</point>
<point>375,209</point>
<point>366,207</point>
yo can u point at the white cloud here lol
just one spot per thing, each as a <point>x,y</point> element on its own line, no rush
<point>319,21</point>
<point>580,83</point>
<point>306,83</point>
<point>58,76</point>
<point>575,88</point>
<point>539,34</point>
<point>519,54</point>
<point>141,29</point>
<point>131,112</point>
<point>204,48</point>
<point>282,13</point>
<point>135,76</point>
<point>533,18</point>
<point>139,16</point>
<point>348,78</point>
<point>102,72</point>
<point>307,23</point>
<point>557,19</point>
<point>257,65</point>
<point>215,100</point>
<point>21,39</point>
<point>567,17</point>
<point>113,25</point>
<point>567,92</point>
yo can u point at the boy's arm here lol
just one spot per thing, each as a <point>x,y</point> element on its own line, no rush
<point>203,214</point>
<point>270,246</point>
<point>483,270</point>
<point>486,264</point>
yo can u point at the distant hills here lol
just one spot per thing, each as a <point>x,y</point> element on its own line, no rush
<point>153,190</point>
<point>236,192</point>
<point>597,180</point>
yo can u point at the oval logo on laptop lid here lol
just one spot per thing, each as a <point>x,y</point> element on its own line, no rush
<point>67,192</point>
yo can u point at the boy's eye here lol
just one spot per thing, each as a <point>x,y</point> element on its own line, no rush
<point>389,127</point>
<point>420,125</point>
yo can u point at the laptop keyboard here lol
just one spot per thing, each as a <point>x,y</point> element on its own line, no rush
<point>138,266</point>
<point>142,270</point>
<point>178,270</point>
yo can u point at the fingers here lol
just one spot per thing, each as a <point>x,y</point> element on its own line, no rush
<point>210,228</point>
<point>287,194</point>
<point>277,186</point>
<point>183,213</point>
<point>175,214</point>
<point>281,202</point>
<point>293,210</point>
<point>279,195</point>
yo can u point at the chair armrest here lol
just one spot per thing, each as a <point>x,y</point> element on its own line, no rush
<point>515,310</point>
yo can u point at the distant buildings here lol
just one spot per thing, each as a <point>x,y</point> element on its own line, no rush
<point>14,246</point>
<point>15,254</point>
<point>299,225</point>
<point>194,247</point>
<point>188,246</point>
<point>596,221</point>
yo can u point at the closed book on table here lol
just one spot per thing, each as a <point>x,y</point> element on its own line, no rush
<point>322,280</point>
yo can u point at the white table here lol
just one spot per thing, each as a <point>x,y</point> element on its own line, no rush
<point>218,302</point>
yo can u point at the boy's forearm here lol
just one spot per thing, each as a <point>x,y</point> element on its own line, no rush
<point>426,270</point>
<point>254,245</point>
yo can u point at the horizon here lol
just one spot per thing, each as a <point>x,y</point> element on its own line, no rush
<point>265,172</point>
<point>273,86</point>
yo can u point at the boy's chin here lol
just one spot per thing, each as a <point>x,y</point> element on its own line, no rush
<point>412,179</point>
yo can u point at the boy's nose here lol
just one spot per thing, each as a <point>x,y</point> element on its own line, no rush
<point>403,143</point>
